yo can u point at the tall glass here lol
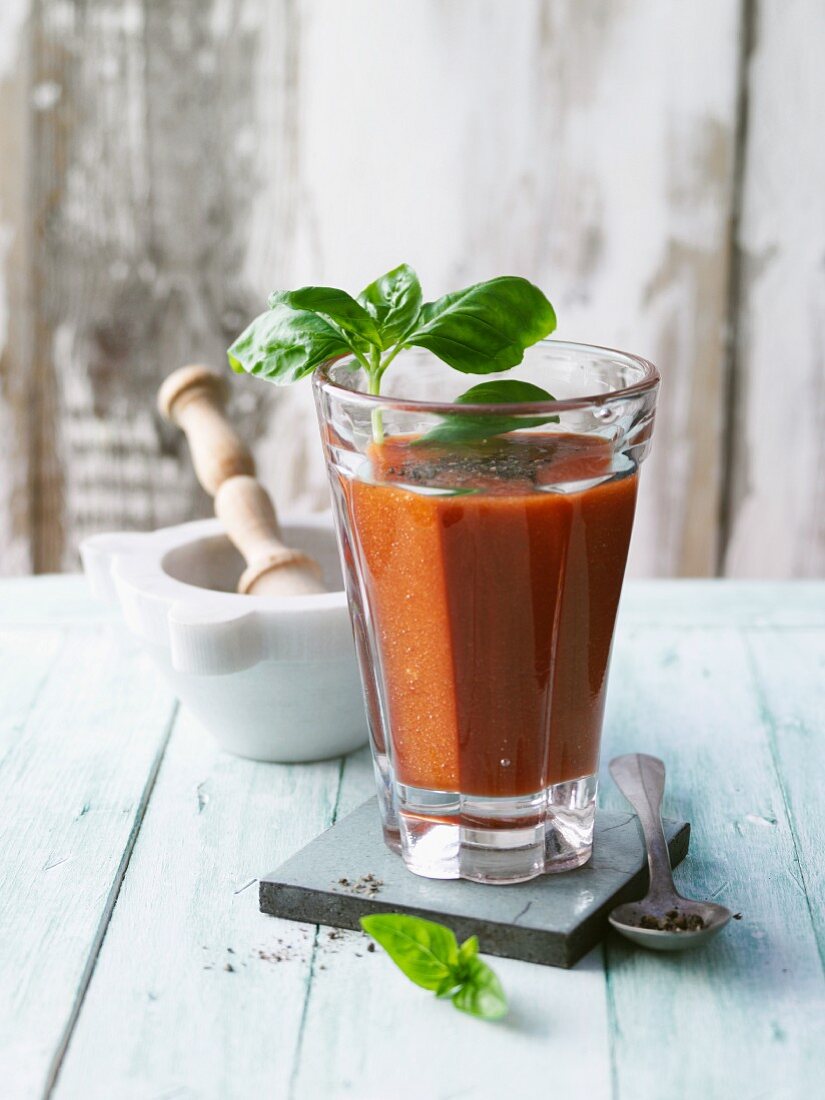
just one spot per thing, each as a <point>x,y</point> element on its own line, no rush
<point>483,577</point>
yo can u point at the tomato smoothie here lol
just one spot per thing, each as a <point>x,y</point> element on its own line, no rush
<point>484,545</point>
<point>494,605</point>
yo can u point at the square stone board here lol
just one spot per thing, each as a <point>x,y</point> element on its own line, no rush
<point>554,919</point>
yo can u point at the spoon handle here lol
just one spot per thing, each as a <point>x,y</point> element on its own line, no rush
<point>641,779</point>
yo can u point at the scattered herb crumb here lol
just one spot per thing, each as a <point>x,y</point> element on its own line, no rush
<point>367,885</point>
<point>229,968</point>
<point>271,956</point>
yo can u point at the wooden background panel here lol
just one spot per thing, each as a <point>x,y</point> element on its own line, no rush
<point>589,147</point>
<point>776,492</point>
<point>134,193</point>
<point>166,164</point>
<point>15,541</point>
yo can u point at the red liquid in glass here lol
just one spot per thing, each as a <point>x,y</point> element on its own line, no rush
<point>494,611</point>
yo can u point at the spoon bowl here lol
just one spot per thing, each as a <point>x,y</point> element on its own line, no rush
<point>676,925</point>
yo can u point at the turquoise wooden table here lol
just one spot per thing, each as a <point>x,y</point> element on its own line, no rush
<point>134,962</point>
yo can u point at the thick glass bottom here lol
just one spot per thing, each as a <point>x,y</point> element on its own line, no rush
<point>495,840</point>
<point>386,802</point>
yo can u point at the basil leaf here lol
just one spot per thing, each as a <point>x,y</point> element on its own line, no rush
<point>394,301</point>
<point>462,428</point>
<point>468,950</point>
<point>486,327</point>
<point>429,955</point>
<point>448,985</point>
<point>284,344</point>
<point>423,950</point>
<point>333,305</point>
<point>481,994</point>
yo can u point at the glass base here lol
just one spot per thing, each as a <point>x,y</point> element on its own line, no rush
<point>386,803</point>
<point>444,834</point>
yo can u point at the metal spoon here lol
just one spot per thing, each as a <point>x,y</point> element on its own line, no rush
<point>663,920</point>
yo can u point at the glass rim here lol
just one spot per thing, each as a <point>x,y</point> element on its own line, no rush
<point>649,381</point>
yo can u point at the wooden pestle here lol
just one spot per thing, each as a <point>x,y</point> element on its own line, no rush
<point>194,397</point>
<point>245,508</point>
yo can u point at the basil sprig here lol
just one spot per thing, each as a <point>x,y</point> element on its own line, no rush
<point>482,329</point>
<point>429,955</point>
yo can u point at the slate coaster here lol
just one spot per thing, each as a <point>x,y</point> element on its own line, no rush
<point>554,919</point>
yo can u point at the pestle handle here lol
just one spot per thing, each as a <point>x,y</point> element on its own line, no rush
<point>273,569</point>
<point>194,398</point>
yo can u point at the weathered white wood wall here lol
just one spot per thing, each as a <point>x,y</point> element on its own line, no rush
<point>657,166</point>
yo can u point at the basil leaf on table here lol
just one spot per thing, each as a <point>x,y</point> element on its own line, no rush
<point>463,428</point>
<point>394,301</point>
<point>425,951</point>
<point>484,328</point>
<point>468,950</point>
<point>284,344</point>
<point>429,954</point>
<point>481,993</point>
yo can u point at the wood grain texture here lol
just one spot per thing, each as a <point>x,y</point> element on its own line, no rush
<point>180,160</point>
<point>776,498</point>
<point>190,996</point>
<point>15,317</point>
<point>84,722</point>
<point>589,147</point>
<point>752,605</point>
<point>392,1035</point>
<point>735,1018</point>
<point>135,196</point>
<point>785,670</point>
<point>165,165</point>
<point>722,681</point>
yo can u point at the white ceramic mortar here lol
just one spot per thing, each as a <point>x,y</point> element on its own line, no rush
<point>271,678</point>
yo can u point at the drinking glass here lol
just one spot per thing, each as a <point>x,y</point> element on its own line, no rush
<point>484,548</point>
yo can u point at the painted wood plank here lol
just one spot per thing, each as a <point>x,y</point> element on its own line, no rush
<point>776,496</point>
<point>516,161</point>
<point>164,1016</point>
<point>755,605</point>
<point>790,672</point>
<point>504,147</point>
<point>271,111</point>
<point>684,693</point>
<point>76,773</point>
<point>136,192</point>
<point>743,1016</point>
<point>25,665</point>
<point>52,599</point>
<point>394,1037</point>
<point>368,1032</point>
<point>769,605</point>
<point>15,330</point>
